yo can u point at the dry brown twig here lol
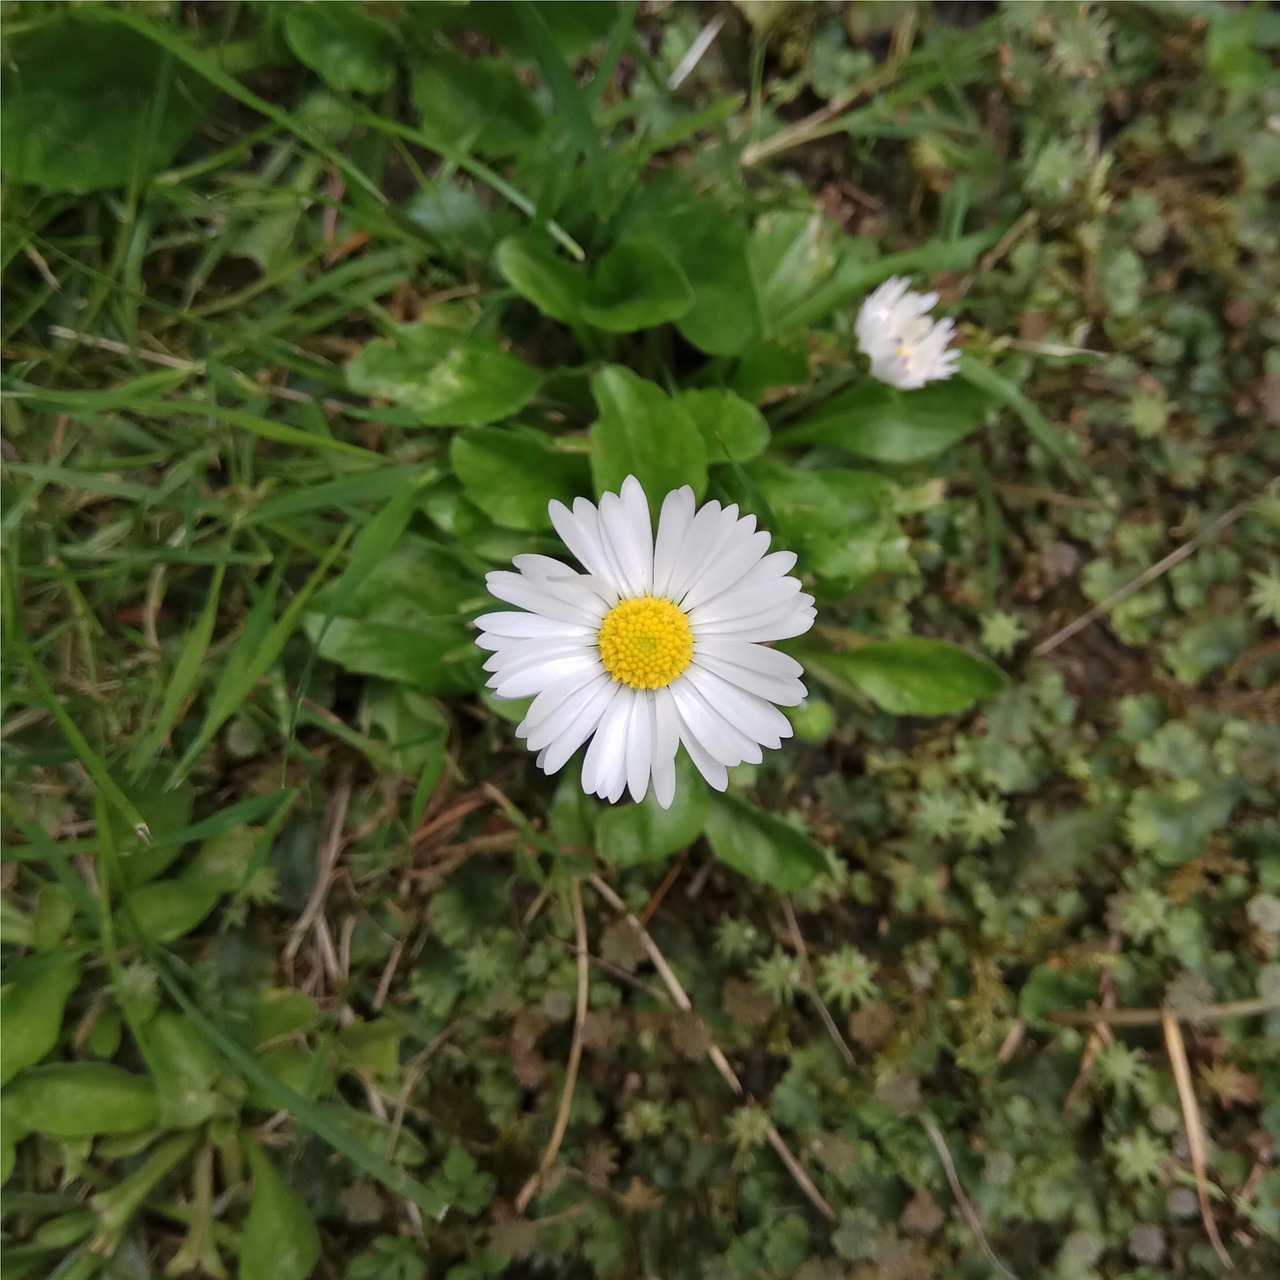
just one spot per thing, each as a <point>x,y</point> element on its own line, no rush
<point>1147,576</point>
<point>1156,1017</point>
<point>811,978</point>
<point>966,1205</point>
<point>719,1061</point>
<point>575,1054</point>
<point>1195,1131</point>
<point>332,843</point>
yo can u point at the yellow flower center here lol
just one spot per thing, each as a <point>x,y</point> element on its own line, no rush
<point>645,643</point>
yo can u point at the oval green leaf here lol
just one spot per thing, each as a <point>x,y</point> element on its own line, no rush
<point>80,1100</point>
<point>732,429</point>
<point>446,377</point>
<point>712,249</point>
<point>89,104</point>
<point>474,104</point>
<point>511,474</point>
<point>555,286</point>
<point>31,1012</point>
<point>280,1241</point>
<point>875,421</point>
<point>641,431</point>
<point>348,49</point>
<point>762,846</point>
<point>636,285</point>
<point>912,676</point>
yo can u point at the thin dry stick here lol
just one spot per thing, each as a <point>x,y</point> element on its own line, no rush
<point>828,1021</point>
<point>1156,1017</point>
<point>966,1205</point>
<point>334,817</point>
<point>721,1063</point>
<point>1211,530</point>
<point>575,1054</point>
<point>1195,1132</point>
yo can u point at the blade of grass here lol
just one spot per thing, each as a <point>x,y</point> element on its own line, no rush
<point>93,763</point>
<point>1045,433</point>
<point>186,672</point>
<point>570,99</point>
<point>204,65</point>
<point>371,546</point>
<point>253,657</point>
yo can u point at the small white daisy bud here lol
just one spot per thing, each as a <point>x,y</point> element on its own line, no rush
<point>905,347</point>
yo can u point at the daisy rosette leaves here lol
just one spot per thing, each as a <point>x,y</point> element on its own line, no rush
<point>661,643</point>
<point>911,676</point>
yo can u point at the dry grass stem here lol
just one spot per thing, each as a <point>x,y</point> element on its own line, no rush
<point>1195,1130</point>
<point>721,1063</point>
<point>575,1053</point>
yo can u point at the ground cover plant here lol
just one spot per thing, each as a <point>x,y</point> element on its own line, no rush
<point>315,315</point>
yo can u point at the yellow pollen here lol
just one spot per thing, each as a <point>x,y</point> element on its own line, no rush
<point>645,643</point>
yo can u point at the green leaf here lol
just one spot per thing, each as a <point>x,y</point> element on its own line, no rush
<point>636,285</point>
<point>790,253</point>
<point>447,377</point>
<point>280,1241</point>
<point>474,104</point>
<point>31,1009</point>
<point>415,728</point>
<point>555,286</point>
<point>643,432</point>
<point>511,474</point>
<point>628,834</point>
<point>712,248</point>
<point>89,104</point>
<point>807,504</point>
<point>79,1100</point>
<point>762,846</point>
<point>348,49</point>
<point>913,676</point>
<point>732,429</point>
<point>402,622</point>
<point>875,421</point>
<point>186,1070</point>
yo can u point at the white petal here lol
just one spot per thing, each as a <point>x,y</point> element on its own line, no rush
<point>579,727</point>
<point>580,607</point>
<point>527,626</point>
<point>525,681</point>
<point>793,618</point>
<point>744,552</point>
<point>632,544</point>
<point>753,656</point>
<point>664,783</point>
<point>785,692</point>
<point>640,746</point>
<point>706,764</point>
<point>666,727</point>
<point>693,565</point>
<point>568,691</point>
<point>607,753</point>
<point>526,654</point>
<point>753,716</point>
<point>674,521</point>
<point>724,741</point>
<point>579,530</point>
<point>590,698</point>
<point>748,602</point>
<point>774,566</point>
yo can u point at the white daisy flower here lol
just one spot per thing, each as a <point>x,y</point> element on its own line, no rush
<point>660,642</point>
<point>905,347</point>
